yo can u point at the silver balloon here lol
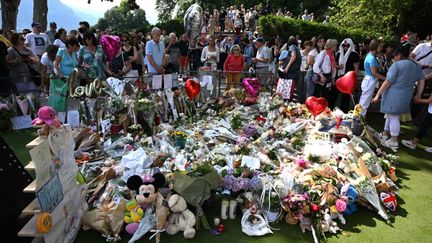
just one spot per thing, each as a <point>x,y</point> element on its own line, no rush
<point>193,21</point>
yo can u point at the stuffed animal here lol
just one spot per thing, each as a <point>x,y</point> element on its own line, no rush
<point>351,193</point>
<point>134,214</point>
<point>147,193</point>
<point>327,224</point>
<point>47,115</point>
<point>305,224</point>
<point>181,218</point>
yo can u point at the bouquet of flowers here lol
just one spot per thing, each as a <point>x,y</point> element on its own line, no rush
<point>195,187</point>
<point>146,104</point>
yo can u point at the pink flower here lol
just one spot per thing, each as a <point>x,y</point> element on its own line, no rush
<point>302,163</point>
<point>340,205</point>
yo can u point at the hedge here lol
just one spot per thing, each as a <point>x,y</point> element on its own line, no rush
<point>172,25</point>
<point>271,26</point>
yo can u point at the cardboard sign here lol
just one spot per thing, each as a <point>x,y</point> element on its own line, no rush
<point>42,158</point>
<point>21,122</point>
<point>50,194</point>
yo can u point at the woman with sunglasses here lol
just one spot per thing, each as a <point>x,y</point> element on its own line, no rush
<point>92,58</point>
<point>130,50</point>
<point>233,67</point>
<point>348,60</point>
<point>119,65</point>
<point>18,59</point>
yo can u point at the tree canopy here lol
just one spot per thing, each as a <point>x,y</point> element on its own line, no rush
<point>122,18</point>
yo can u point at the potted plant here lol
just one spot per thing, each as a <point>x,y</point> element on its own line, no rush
<point>179,138</point>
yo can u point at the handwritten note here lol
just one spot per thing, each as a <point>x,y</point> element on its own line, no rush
<point>73,118</point>
<point>207,80</point>
<point>157,82</point>
<point>168,81</point>
<point>50,194</point>
<point>21,122</point>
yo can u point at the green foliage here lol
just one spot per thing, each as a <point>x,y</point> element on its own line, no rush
<point>121,18</point>
<point>172,25</point>
<point>165,9</point>
<point>285,27</point>
<point>377,16</point>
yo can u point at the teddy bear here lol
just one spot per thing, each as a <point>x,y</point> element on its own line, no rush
<point>181,218</point>
<point>327,224</point>
<point>351,193</point>
<point>156,214</point>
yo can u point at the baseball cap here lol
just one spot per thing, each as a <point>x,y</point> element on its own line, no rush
<point>53,24</point>
<point>35,23</point>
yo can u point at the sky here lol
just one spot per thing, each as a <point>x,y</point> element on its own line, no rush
<point>98,8</point>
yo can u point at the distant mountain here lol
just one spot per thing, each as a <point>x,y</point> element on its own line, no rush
<point>64,16</point>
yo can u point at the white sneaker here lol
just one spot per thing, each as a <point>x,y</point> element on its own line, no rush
<point>408,144</point>
<point>393,145</point>
<point>429,149</point>
<point>389,144</point>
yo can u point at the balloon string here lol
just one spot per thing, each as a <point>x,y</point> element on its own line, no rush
<point>352,98</point>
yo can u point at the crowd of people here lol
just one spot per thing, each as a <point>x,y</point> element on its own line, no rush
<point>231,42</point>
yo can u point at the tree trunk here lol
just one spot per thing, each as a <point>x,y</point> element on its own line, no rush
<point>40,12</point>
<point>9,14</point>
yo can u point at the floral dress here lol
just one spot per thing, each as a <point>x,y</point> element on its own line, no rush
<point>95,60</point>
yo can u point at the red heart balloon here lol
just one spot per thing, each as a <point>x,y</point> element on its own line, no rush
<point>192,88</point>
<point>316,105</point>
<point>346,83</point>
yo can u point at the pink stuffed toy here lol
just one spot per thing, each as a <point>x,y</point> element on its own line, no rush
<point>47,115</point>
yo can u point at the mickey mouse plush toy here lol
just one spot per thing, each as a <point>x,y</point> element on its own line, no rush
<point>147,193</point>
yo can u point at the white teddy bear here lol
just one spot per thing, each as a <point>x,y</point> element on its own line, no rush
<point>181,218</point>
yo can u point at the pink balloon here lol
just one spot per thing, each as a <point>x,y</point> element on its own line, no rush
<point>132,228</point>
<point>110,45</point>
<point>252,86</point>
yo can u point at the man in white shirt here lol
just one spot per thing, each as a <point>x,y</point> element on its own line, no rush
<point>262,61</point>
<point>422,54</point>
<point>38,42</point>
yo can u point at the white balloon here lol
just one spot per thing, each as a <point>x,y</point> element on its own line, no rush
<point>193,21</point>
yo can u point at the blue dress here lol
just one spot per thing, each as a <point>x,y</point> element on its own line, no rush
<point>402,75</point>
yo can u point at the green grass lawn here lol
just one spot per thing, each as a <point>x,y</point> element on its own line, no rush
<point>411,222</point>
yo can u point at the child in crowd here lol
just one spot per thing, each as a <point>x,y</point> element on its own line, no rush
<point>426,124</point>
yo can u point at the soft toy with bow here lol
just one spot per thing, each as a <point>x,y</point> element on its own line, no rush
<point>156,215</point>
